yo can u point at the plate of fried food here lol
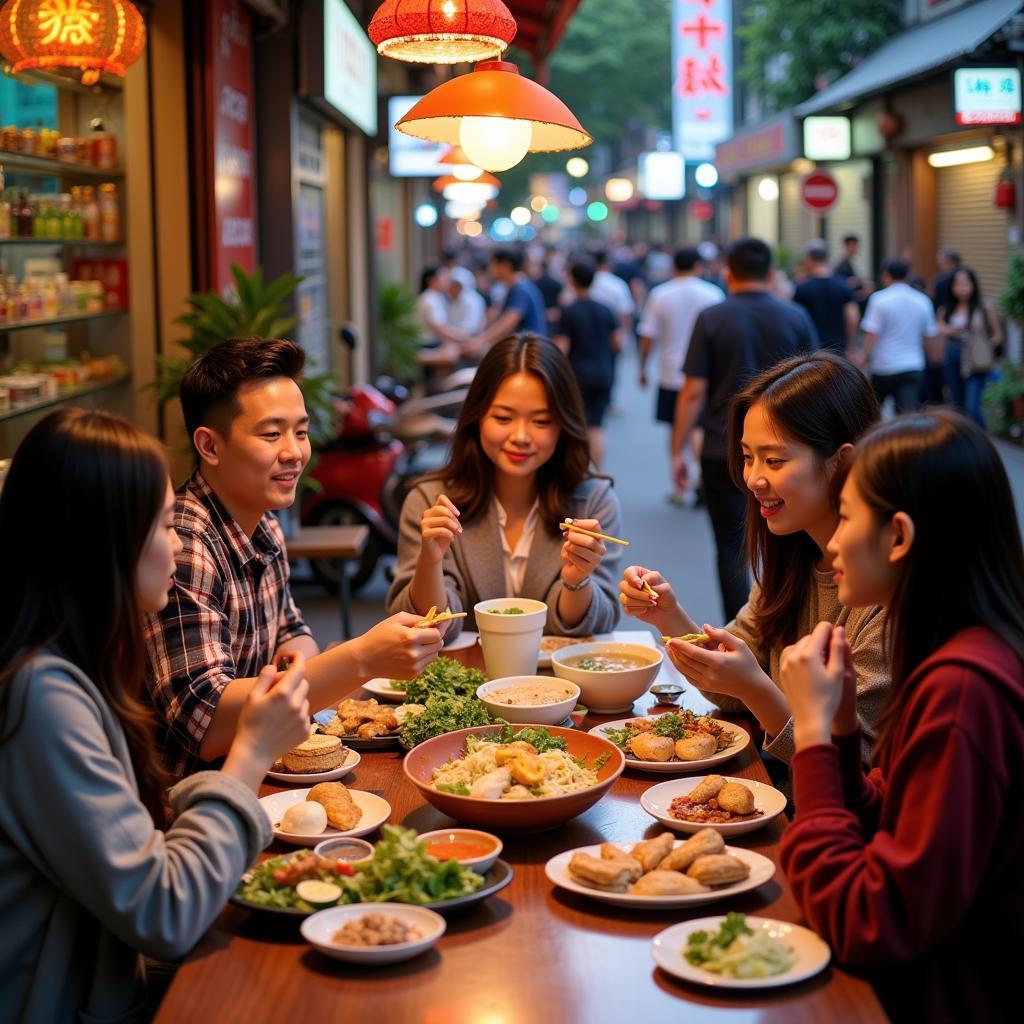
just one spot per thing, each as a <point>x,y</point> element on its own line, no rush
<point>304,817</point>
<point>364,724</point>
<point>660,873</point>
<point>319,759</point>
<point>676,741</point>
<point>728,805</point>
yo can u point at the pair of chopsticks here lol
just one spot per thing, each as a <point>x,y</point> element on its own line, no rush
<point>433,617</point>
<point>690,638</point>
<point>569,524</point>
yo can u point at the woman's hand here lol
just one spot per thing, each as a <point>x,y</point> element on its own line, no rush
<point>439,526</point>
<point>581,554</point>
<point>660,609</point>
<point>846,722</point>
<point>725,665</point>
<point>814,678</point>
<point>396,648</point>
<point>275,716</point>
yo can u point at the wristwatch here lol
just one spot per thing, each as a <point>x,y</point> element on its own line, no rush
<point>585,582</point>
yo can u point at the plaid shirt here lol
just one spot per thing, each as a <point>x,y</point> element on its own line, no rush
<point>230,610</point>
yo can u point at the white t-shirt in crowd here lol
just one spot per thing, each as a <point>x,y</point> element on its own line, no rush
<point>668,319</point>
<point>902,318</point>
<point>431,308</point>
<point>613,292</point>
<point>468,312</point>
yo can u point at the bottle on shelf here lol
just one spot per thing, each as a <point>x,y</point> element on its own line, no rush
<point>24,216</point>
<point>90,214</point>
<point>5,208</point>
<point>110,213</point>
<point>76,224</point>
<point>102,145</point>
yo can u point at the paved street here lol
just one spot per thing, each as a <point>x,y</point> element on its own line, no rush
<point>675,540</point>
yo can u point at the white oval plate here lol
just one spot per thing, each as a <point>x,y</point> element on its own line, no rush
<point>657,800</point>
<point>544,658</point>
<point>812,954</point>
<point>467,638</point>
<point>333,775</point>
<point>376,811</point>
<point>382,688</point>
<point>319,928</point>
<point>675,766</point>
<point>557,870</point>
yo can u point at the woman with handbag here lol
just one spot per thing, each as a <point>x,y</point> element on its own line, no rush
<point>971,329</point>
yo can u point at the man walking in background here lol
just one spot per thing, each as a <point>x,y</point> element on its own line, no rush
<point>898,323</point>
<point>829,301</point>
<point>732,342</point>
<point>667,321</point>
<point>524,304</point>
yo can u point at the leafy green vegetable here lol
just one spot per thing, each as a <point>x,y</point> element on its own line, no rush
<point>443,713</point>
<point>441,676</point>
<point>620,737</point>
<point>670,725</point>
<point>591,665</point>
<point>260,886</point>
<point>506,611</point>
<point>738,951</point>
<point>600,761</point>
<point>540,737</point>
<point>456,788</point>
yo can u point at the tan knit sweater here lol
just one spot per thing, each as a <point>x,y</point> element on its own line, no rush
<point>864,628</point>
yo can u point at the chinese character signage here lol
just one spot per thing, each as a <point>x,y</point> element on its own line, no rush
<point>233,240</point>
<point>701,76</point>
<point>987,95</point>
<point>827,138</point>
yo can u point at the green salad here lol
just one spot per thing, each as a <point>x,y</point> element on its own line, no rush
<point>505,611</point>
<point>737,951</point>
<point>443,713</point>
<point>399,871</point>
<point>441,676</point>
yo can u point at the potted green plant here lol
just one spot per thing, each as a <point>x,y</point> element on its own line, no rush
<point>398,331</point>
<point>1003,400</point>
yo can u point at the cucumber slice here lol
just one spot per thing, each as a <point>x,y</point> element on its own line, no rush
<point>318,894</point>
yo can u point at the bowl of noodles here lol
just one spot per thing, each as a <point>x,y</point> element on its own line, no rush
<point>514,778</point>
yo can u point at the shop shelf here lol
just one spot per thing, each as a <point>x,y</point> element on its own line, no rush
<point>64,395</point>
<point>77,243</point>
<point>45,165</point>
<point>69,318</point>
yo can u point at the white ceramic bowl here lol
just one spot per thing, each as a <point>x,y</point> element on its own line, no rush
<point>319,929</point>
<point>523,714</point>
<point>607,693</point>
<point>482,864</point>
<point>657,800</point>
<point>511,643</point>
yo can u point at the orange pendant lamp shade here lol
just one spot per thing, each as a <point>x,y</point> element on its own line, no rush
<point>89,36</point>
<point>461,166</point>
<point>496,115</point>
<point>442,31</point>
<point>440,184</point>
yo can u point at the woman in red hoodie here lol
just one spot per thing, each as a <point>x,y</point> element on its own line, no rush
<point>915,872</point>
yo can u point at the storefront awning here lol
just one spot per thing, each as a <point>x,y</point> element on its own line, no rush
<point>541,24</point>
<point>915,52</point>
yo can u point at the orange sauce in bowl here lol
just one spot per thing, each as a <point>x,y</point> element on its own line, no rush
<point>459,849</point>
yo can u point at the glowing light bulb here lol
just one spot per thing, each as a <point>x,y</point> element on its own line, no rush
<point>495,143</point>
<point>466,172</point>
<point>448,7</point>
<point>520,215</point>
<point>577,167</point>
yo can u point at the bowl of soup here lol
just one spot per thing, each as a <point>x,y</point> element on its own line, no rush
<point>611,676</point>
<point>470,847</point>
<point>529,699</point>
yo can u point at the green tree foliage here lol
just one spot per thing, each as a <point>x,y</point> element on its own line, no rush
<point>790,46</point>
<point>613,66</point>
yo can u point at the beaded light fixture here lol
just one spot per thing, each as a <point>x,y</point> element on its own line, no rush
<point>442,31</point>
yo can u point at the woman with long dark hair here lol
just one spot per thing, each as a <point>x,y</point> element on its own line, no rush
<point>970,327</point>
<point>92,874</point>
<point>792,429</point>
<point>915,872</point>
<point>486,525</point>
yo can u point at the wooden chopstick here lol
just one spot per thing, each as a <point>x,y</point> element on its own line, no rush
<point>568,524</point>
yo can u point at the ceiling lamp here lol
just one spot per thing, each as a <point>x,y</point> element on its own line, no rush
<point>496,115</point>
<point>485,188</point>
<point>442,31</point>
<point>460,166</point>
<point>87,36</point>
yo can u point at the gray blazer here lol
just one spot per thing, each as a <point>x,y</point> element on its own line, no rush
<point>87,883</point>
<point>474,570</point>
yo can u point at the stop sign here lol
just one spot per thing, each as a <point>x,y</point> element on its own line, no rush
<point>819,192</point>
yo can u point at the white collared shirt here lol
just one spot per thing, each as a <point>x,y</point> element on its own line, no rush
<point>515,561</point>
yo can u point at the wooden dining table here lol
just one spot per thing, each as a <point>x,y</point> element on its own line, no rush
<point>530,954</point>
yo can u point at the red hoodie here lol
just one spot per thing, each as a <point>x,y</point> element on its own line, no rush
<point>915,873</point>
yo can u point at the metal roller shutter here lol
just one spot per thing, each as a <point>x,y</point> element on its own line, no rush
<point>852,213</point>
<point>796,221</point>
<point>970,223</point>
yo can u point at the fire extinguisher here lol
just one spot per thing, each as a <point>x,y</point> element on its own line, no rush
<point>1006,192</point>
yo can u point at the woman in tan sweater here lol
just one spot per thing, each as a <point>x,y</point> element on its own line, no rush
<point>792,429</point>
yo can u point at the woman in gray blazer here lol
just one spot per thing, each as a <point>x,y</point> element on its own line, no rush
<point>487,524</point>
<point>92,876</point>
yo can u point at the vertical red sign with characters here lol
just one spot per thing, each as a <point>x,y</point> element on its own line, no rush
<point>229,70</point>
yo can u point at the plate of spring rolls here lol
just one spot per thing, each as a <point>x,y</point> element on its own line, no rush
<point>660,873</point>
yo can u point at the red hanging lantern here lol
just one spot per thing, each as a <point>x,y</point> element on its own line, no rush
<point>89,36</point>
<point>1006,193</point>
<point>442,31</point>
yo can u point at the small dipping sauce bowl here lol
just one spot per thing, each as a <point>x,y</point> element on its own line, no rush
<point>667,693</point>
<point>345,848</point>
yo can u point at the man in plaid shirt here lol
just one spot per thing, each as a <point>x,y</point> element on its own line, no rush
<point>231,610</point>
